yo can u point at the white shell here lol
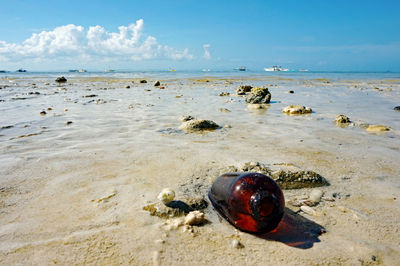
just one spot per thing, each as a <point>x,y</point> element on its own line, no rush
<point>316,195</point>
<point>166,195</point>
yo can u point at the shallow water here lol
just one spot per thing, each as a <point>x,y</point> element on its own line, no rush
<point>127,143</point>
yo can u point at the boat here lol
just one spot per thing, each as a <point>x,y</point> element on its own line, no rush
<point>82,70</point>
<point>242,68</point>
<point>276,68</point>
<point>73,70</point>
<point>303,70</point>
<point>21,70</point>
<point>110,70</point>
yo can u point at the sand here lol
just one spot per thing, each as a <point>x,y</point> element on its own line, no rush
<point>73,193</point>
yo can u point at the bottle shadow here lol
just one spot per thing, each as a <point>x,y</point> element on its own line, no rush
<point>296,231</point>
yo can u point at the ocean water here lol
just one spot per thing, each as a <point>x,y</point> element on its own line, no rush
<point>75,179</point>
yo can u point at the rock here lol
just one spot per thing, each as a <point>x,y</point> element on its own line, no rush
<point>195,218</point>
<point>256,106</point>
<point>127,87</point>
<point>43,113</point>
<point>377,128</point>
<point>297,109</point>
<point>342,121</point>
<point>291,92</point>
<point>157,83</point>
<point>199,125</point>
<point>285,175</point>
<point>242,90</point>
<point>69,123</point>
<point>166,195</point>
<point>316,195</point>
<point>308,210</point>
<point>143,81</point>
<point>224,94</point>
<point>258,95</point>
<point>397,108</point>
<point>61,80</point>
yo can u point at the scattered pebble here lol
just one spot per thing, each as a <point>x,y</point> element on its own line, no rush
<point>199,125</point>
<point>397,108</point>
<point>157,83</point>
<point>61,80</point>
<point>195,218</point>
<point>69,123</point>
<point>224,94</point>
<point>127,87</point>
<point>308,210</point>
<point>291,92</point>
<point>143,81</point>
<point>237,244</point>
<point>49,108</point>
<point>43,112</point>
<point>224,110</point>
<point>316,195</point>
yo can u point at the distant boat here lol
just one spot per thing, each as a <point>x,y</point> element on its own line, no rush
<point>82,70</point>
<point>242,68</point>
<point>276,68</point>
<point>73,70</point>
<point>110,70</point>
<point>3,71</point>
<point>303,70</point>
<point>21,70</point>
<point>206,70</point>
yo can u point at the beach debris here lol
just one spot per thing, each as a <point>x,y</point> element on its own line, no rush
<point>342,121</point>
<point>316,195</point>
<point>195,218</point>
<point>259,95</point>
<point>105,198</point>
<point>224,94</point>
<point>287,176</point>
<point>143,81</point>
<point>252,202</point>
<point>242,90</point>
<point>297,109</point>
<point>397,108</point>
<point>236,244</point>
<point>377,128</point>
<point>199,125</point>
<point>224,110</point>
<point>308,210</point>
<point>61,80</point>
<point>187,118</point>
<point>157,83</point>
<point>166,195</point>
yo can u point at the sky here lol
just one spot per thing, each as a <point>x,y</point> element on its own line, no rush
<point>191,35</point>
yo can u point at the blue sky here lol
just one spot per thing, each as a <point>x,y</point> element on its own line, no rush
<point>317,35</point>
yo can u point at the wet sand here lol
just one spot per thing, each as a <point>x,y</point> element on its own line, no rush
<point>73,193</point>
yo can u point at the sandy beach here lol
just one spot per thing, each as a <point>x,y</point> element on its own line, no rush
<point>80,160</point>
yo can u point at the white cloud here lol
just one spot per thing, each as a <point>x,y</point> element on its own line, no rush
<point>74,42</point>
<point>207,54</point>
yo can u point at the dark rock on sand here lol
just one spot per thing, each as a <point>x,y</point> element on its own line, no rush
<point>199,125</point>
<point>157,83</point>
<point>187,118</point>
<point>143,81</point>
<point>90,96</point>
<point>342,121</point>
<point>286,175</point>
<point>242,90</point>
<point>259,95</point>
<point>397,108</point>
<point>61,80</point>
<point>224,94</point>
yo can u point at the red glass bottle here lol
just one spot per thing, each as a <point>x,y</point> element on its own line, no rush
<point>252,202</point>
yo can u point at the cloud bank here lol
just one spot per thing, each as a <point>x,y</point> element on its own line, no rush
<point>74,42</point>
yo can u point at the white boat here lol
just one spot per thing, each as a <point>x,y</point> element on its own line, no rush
<point>276,68</point>
<point>82,70</point>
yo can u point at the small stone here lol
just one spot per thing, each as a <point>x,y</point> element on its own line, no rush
<point>237,244</point>
<point>228,126</point>
<point>157,83</point>
<point>43,112</point>
<point>166,195</point>
<point>291,92</point>
<point>127,87</point>
<point>47,84</point>
<point>143,81</point>
<point>195,218</point>
<point>316,195</point>
<point>397,108</point>
<point>49,108</point>
<point>224,110</point>
<point>373,258</point>
<point>224,94</point>
<point>297,109</point>
<point>69,123</point>
<point>242,90</point>
<point>377,128</point>
<point>61,80</point>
